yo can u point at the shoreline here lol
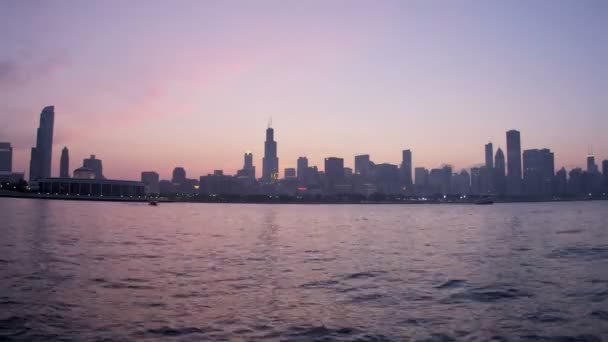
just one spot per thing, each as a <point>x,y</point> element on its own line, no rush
<point>15,194</point>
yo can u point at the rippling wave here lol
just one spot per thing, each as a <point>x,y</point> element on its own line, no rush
<point>116,272</point>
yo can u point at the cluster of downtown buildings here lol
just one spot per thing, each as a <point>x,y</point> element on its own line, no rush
<point>530,174</point>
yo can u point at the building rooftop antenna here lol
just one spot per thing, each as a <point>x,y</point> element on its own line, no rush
<point>270,122</point>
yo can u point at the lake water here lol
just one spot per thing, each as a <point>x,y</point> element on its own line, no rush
<point>191,272</point>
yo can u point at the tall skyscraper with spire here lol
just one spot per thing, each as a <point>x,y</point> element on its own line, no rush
<point>64,166</point>
<point>513,163</point>
<point>40,162</point>
<point>270,162</point>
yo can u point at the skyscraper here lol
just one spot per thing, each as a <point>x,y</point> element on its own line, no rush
<point>489,156</point>
<point>362,165</point>
<point>406,169</point>
<point>6,157</point>
<point>334,172</point>
<point>41,158</point>
<point>539,172</point>
<point>64,165</point>
<point>151,182</point>
<point>591,165</point>
<point>248,169</point>
<point>270,162</point>
<point>95,165</point>
<point>302,166</point>
<point>513,163</point>
<point>498,177</point>
<point>421,178</point>
<point>178,176</point>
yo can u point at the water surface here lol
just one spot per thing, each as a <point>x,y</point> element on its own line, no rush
<point>189,272</point>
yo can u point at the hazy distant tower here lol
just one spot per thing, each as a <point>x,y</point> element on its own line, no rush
<point>270,162</point>
<point>41,158</point>
<point>64,165</point>
<point>6,157</point>
<point>302,166</point>
<point>499,172</point>
<point>489,156</point>
<point>406,169</point>
<point>513,163</point>
<point>94,164</point>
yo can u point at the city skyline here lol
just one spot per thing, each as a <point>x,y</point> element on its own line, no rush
<point>406,165</point>
<point>438,79</point>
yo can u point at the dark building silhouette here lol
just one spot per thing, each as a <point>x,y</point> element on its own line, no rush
<point>41,158</point>
<point>219,184</point>
<point>248,170</point>
<point>179,176</point>
<point>422,179</point>
<point>513,163</point>
<point>605,174</point>
<point>406,169</point>
<point>6,157</point>
<point>310,177</point>
<point>348,173</point>
<point>84,173</point>
<point>64,164</point>
<point>302,166</point>
<point>591,165</point>
<point>499,172</point>
<point>182,184</point>
<point>576,182</point>
<point>290,173</point>
<point>539,172</point>
<point>461,183</point>
<point>486,185</point>
<point>166,187</point>
<point>386,178</point>
<point>476,180</point>
<point>363,166</point>
<point>489,156</point>
<point>151,182</point>
<point>334,173</point>
<point>560,187</point>
<point>270,162</point>
<point>95,165</point>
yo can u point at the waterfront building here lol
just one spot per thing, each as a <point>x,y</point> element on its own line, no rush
<point>576,182</point>
<point>290,173</point>
<point>270,162</point>
<point>591,165</point>
<point>386,178</point>
<point>421,176</point>
<point>84,173</point>
<point>41,155</point>
<point>219,184</point>
<point>498,177</point>
<point>151,182</point>
<point>248,170</point>
<point>489,149</point>
<point>560,187</point>
<point>92,187</point>
<point>64,164</point>
<point>334,173</point>
<point>363,166</point>
<point>513,163</point>
<point>6,157</point>
<point>539,172</point>
<point>95,165</point>
<point>406,170</point>
<point>302,166</point>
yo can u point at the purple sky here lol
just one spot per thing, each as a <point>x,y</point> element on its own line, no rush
<point>150,85</point>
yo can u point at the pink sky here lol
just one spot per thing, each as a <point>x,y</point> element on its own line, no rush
<point>157,84</point>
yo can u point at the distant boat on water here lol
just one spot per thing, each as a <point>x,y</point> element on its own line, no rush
<point>484,201</point>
